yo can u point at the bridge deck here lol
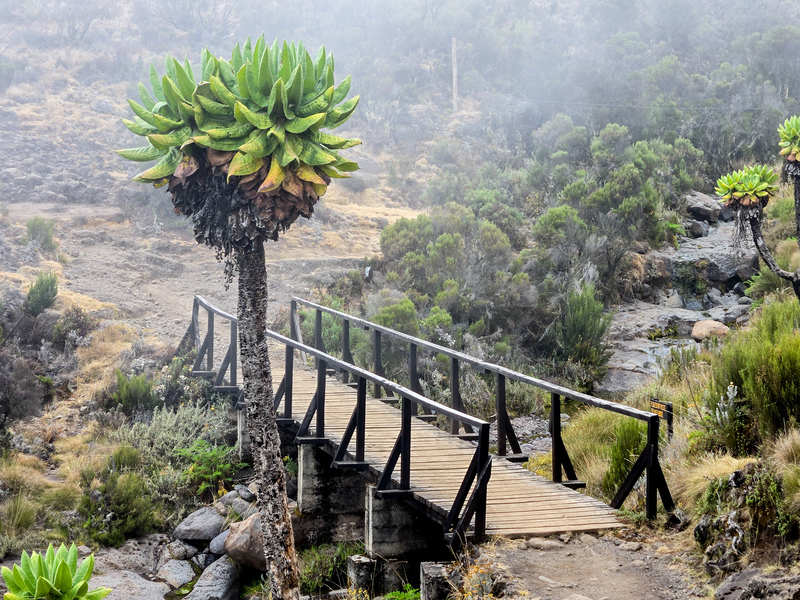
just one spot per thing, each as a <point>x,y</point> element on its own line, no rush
<point>520,503</point>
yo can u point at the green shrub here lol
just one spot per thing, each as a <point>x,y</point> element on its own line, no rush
<point>761,364</point>
<point>580,333</point>
<point>135,393</point>
<point>125,458</point>
<point>765,281</point>
<point>42,294</point>
<point>210,466</point>
<point>74,319</point>
<point>41,230</point>
<point>126,499</point>
<point>324,568</point>
<point>169,429</point>
<point>629,443</point>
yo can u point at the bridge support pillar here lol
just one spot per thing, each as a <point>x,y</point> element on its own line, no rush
<point>393,529</point>
<point>328,499</point>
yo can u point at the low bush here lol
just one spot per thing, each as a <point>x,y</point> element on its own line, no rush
<point>41,230</point>
<point>324,568</point>
<point>75,321</point>
<point>42,294</point>
<point>210,468</point>
<point>134,394</point>
<point>118,508</point>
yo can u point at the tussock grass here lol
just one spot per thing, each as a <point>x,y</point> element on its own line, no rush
<point>22,478</point>
<point>97,361</point>
<point>691,480</point>
<point>78,453</point>
<point>19,514</point>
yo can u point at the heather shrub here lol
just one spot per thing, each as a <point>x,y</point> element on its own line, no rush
<point>41,230</point>
<point>135,393</point>
<point>42,294</point>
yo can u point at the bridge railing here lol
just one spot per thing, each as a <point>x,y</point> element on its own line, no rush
<point>647,463</point>
<point>470,501</point>
<point>204,362</point>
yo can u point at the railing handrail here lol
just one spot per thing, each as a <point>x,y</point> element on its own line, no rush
<point>210,307</point>
<point>378,380</point>
<point>487,366</point>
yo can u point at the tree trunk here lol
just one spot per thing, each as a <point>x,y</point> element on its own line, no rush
<point>276,522</point>
<point>763,251</point>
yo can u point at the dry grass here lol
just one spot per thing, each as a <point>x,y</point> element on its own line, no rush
<point>75,454</point>
<point>97,361</point>
<point>785,451</point>
<point>21,477</point>
<point>691,480</point>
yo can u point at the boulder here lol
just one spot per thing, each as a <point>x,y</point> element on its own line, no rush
<point>242,508</point>
<point>245,493</point>
<point>176,573</point>
<point>127,585</point>
<point>734,585</point>
<point>697,229</point>
<point>776,586</point>
<point>703,207</point>
<point>204,525</point>
<point>217,545</point>
<point>179,550</point>
<point>220,581</point>
<point>245,543</point>
<point>708,328</point>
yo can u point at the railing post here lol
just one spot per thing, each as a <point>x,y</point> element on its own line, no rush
<point>234,350</point>
<point>293,320</point>
<point>347,356</point>
<point>321,377</point>
<point>483,459</point>
<point>413,376</point>
<point>405,446</point>
<point>377,361</point>
<point>196,322</point>
<point>455,393</point>
<point>361,418</point>
<point>210,335</point>
<point>500,409</point>
<point>651,482</point>
<point>288,377</point>
<point>555,435</point>
<point>318,330</point>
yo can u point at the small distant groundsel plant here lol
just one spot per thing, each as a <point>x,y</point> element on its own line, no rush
<point>54,576</point>
<point>256,119</point>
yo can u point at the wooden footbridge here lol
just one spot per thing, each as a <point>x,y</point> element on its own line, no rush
<point>394,433</point>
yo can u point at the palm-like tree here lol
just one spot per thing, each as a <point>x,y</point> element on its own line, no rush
<point>242,153</point>
<point>748,192</point>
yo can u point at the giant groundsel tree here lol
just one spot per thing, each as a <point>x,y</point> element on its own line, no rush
<point>242,151</point>
<point>748,191</point>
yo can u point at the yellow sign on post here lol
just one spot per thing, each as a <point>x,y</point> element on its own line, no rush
<point>664,411</point>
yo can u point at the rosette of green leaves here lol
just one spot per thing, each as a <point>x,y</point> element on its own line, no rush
<point>267,104</point>
<point>748,187</point>
<point>54,576</point>
<point>790,138</point>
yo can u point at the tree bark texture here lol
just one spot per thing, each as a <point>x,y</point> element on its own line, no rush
<point>276,522</point>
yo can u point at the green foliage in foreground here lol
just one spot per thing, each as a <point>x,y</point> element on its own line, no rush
<point>54,576</point>
<point>42,294</point>
<point>760,364</point>
<point>325,567</point>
